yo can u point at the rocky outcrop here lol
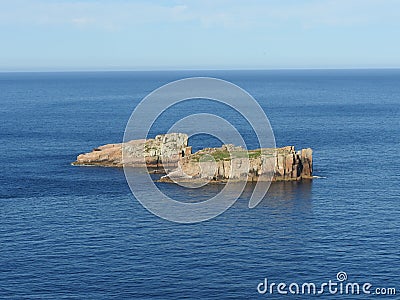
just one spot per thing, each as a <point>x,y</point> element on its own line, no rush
<point>235,163</point>
<point>163,150</point>
<point>171,151</point>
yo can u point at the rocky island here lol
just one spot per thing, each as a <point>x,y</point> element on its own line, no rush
<point>170,154</point>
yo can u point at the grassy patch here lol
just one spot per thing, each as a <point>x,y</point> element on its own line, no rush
<point>219,155</point>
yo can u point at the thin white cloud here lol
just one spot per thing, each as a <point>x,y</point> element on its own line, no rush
<point>97,14</point>
<point>82,21</point>
<point>206,13</point>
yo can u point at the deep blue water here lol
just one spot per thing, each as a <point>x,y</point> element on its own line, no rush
<point>78,233</point>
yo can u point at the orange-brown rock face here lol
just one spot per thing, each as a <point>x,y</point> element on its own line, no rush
<point>163,150</point>
<point>223,164</point>
<point>216,164</point>
<point>108,156</point>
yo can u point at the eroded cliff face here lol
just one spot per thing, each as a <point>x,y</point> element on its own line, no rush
<point>163,150</point>
<point>171,151</point>
<point>235,163</point>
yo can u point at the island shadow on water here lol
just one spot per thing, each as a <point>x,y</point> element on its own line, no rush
<point>280,194</point>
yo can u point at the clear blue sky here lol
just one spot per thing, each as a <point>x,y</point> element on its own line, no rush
<point>252,34</point>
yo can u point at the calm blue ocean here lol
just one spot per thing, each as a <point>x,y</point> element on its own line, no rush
<point>78,233</point>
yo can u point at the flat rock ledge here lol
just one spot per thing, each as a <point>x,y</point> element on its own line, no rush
<point>171,155</point>
<point>163,151</point>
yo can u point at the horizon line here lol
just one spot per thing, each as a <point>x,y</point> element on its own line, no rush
<point>193,69</point>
